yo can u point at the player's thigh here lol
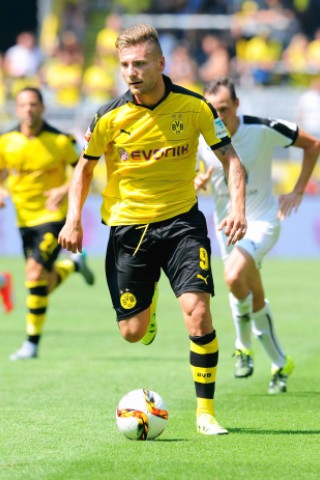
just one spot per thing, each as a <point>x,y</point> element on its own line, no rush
<point>239,265</point>
<point>35,271</point>
<point>188,261</point>
<point>260,238</point>
<point>41,243</point>
<point>131,271</point>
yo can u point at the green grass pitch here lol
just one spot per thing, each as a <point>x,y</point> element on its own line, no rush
<point>58,411</point>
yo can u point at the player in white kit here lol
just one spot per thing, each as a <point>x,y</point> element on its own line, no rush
<point>254,139</point>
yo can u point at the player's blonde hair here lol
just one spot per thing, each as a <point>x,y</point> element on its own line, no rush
<point>138,34</point>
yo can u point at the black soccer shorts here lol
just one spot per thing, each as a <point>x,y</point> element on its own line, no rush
<point>41,243</point>
<point>136,255</point>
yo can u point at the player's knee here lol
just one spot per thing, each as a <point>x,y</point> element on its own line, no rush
<point>130,330</point>
<point>232,278</point>
<point>197,315</point>
<point>34,271</point>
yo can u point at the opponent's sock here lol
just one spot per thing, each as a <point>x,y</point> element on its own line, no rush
<point>263,329</point>
<point>37,302</point>
<point>204,353</point>
<point>242,314</point>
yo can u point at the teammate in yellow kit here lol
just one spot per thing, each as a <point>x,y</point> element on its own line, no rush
<point>35,157</point>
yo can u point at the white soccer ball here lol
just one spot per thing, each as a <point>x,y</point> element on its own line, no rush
<point>141,415</point>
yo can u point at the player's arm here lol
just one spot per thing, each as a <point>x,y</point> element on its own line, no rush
<point>311,150</point>
<point>234,224</point>
<point>71,235</point>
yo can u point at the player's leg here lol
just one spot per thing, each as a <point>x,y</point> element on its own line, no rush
<point>204,354</point>
<point>188,268</point>
<point>263,236</point>
<point>243,275</point>
<point>37,303</point>
<point>77,262</point>
<point>46,250</point>
<point>43,275</point>
<point>132,286</point>
<point>239,270</point>
<point>282,365</point>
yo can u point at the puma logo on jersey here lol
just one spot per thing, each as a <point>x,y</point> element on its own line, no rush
<point>125,131</point>
<point>205,279</point>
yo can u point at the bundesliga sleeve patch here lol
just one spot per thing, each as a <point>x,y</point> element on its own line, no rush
<point>219,128</point>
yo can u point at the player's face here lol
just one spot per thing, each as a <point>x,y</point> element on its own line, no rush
<point>141,68</point>
<point>29,109</point>
<point>226,108</point>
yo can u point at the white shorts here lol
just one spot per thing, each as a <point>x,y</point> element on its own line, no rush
<point>261,236</point>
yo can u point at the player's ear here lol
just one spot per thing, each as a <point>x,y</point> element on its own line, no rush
<point>162,63</point>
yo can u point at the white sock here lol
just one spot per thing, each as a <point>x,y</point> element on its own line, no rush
<point>263,329</point>
<point>241,313</point>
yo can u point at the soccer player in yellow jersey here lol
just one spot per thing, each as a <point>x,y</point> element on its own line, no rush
<point>149,137</point>
<point>35,157</point>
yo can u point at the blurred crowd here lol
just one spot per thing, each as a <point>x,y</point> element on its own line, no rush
<point>269,42</point>
<point>265,42</point>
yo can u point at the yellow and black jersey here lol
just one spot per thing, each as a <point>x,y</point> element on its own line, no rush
<point>36,165</point>
<point>150,153</point>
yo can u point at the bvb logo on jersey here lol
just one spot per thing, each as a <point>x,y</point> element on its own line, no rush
<point>177,125</point>
<point>128,300</point>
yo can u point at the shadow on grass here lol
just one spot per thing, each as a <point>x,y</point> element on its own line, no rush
<point>170,440</point>
<point>255,431</point>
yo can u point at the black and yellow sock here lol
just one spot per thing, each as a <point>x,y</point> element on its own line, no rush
<point>64,268</point>
<point>204,352</point>
<point>37,302</point>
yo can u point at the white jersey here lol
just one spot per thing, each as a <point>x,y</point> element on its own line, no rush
<point>254,142</point>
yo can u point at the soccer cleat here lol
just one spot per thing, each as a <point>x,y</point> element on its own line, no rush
<point>6,293</point>
<point>208,425</point>
<point>278,382</point>
<point>244,363</point>
<point>151,332</point>
<point>27,351</point>
<point>80,259</point>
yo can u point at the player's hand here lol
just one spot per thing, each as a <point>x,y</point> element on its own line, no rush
<point>235,228</point>
<point>288,203</point>
<point>71,237</point>
<point>3,195</point>
<point>54,197</point>
<point>201,180</point>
